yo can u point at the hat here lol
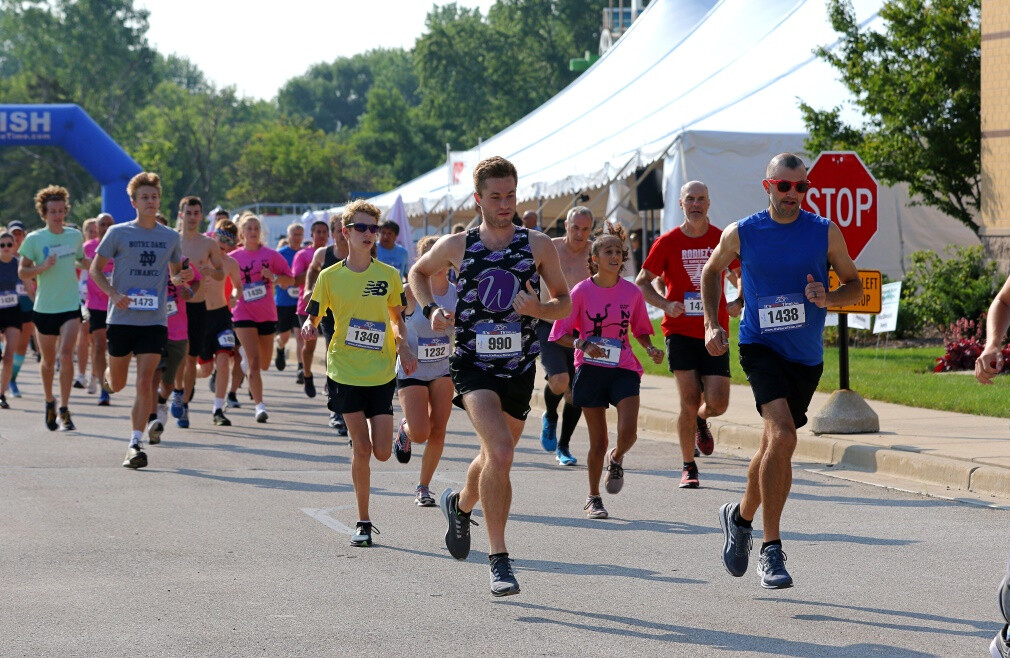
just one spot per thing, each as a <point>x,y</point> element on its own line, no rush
<point>16,225</point>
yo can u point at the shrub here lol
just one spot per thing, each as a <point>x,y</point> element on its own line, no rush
<point>965,341</point>
<point>938,292</point>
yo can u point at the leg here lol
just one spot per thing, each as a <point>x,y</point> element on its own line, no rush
<point>83,351</point>
<point>68,341</point>
<point>99,350</point>
<point>596,422</point>
<point>249,338</point>
<point>265,342</point>
<point>381,428</point>
<point>308,353</point>
<point>767,475</point>
<point>188,371</point>
<point>119,370</point>
<point>440,394</point>
<point>361,453</point>
<point>221,362</point>
<point>627,426</point>
<point>689,386</point>
<point>716,397</point>
<point>12,335</point>
<point>147,365</point>
<point>47,366</point>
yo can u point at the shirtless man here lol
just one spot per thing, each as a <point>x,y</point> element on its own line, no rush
<point>558,361</point>
<point>202,253</point>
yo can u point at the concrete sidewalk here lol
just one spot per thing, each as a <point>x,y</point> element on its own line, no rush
<point>935,452</point>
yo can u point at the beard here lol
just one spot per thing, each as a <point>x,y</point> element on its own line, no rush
<point>497,222</point>
<point>785,212</point>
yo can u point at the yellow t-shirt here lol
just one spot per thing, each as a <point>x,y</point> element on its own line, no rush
<point>362,351</point>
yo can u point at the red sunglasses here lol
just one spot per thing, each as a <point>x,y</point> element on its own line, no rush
<point>783,185</point>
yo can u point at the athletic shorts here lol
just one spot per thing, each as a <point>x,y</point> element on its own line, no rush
<point>687,353</point>
<point>262,328</point>
<point>771,377</point>
<point>555,359</point>
<point>514,391</point>
<point>349,399</point>
<point>404,382</point>
<point>97,319</point>
<point>287,319</point>
<point>49,324</point>
<point>10,317</point>
<point>196,325</point>
<point>600,386</point>
<point>175,352</point>
<point>218,335</point>
<point>126,339</point>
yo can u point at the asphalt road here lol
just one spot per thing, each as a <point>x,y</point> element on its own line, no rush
<point>234,542</point>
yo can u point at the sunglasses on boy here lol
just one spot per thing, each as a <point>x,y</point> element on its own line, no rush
<point>6,245</point>
<point>783,185</point>
<point>361,227</point>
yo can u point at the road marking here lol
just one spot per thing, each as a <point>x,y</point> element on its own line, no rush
<point>323,516</point>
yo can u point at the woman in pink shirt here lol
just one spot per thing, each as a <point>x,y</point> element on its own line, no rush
<point>255,313</point>
<point>97,303</point>
<point>605,310</point>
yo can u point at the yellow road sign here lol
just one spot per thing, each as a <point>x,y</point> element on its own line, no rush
<point>870,303</point>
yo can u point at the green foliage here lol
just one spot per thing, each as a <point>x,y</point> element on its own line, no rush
<point>918,83</point>
<point>937,291</point>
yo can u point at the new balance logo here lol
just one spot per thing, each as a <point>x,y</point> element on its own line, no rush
<point>377,288</point>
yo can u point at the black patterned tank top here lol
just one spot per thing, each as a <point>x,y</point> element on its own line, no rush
<point>490,334</point>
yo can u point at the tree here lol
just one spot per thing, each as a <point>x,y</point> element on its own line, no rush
<point>918,83</point>
<point>396,137</point>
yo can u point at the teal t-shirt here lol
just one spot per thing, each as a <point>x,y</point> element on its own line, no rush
<point>57,291</point>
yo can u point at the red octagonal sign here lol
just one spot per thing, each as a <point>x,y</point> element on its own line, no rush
<point>843,190</point>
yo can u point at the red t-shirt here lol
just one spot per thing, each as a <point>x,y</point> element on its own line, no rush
<point>679,259</point>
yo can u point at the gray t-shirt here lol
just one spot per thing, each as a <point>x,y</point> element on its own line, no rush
<point>142,257</point>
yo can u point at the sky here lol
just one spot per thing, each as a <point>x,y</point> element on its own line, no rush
<point>258,46</point>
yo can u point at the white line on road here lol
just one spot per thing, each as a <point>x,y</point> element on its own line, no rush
<point>323,516</point>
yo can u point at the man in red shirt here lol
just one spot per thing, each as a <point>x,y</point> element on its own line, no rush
<point>702,379</point>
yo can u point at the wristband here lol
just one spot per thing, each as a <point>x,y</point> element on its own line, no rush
<point>429,309</point>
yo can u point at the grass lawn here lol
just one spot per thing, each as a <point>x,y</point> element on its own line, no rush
<point>899,375</point>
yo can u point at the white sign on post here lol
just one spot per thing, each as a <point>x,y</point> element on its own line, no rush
<point>859,320</point>
<point>887,319</point>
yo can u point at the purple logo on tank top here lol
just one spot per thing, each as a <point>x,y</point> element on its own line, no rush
<point>525,265</point>
<point>497,288</point>
<point>476,246</point>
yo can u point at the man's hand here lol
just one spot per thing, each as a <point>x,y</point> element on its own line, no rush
<point>735,307</point>
<point>674,309</point>
<point>815,292</point>
<point>49,262</point>
<point>122,303</point>
<point>309,331</point>
<point>527,302</point>
<point>988,364</point>
<point>716,340</point>
<point>442,319</point>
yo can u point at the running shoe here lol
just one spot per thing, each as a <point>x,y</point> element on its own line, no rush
<point>154,430</point>
<point>564,457</point>
<point>104,399</point>
<point>337,423</point>
<point>3,402</point>
<point>310,387</point>
<point>80,381</point>
<point>183,420</point>
<point>232,401</point>
<point>737,544</point>
<point>51,416</point>
<point>363,533</point>
<point>401,444</point>
<point>300,377</point>
<point>423,497</point>
<point>279,360</point>
<point>503,581</point>
<point>135,457</point>
<point>697,453</point>
<point>594,508</point>
<point>220,419</point>
<point>615,475</point>
<point>212,382</point>
<point>457,537</point>
<point>14,389</point>
<point>175,402</point>
<point>772,568</point>
<point>1003,594</point>
<point>689,478</point>
<point>549,433</point>
<point>999,648</point>
<point>163,414</point>
<point>66,424</point>
<point>93,385</point>
<point>262,416</point>
<point>703,438</point>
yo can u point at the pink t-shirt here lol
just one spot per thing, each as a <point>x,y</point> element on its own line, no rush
<point>604,316</point>
<point>256,299</point>
<point>301,264</point>
<point>96,300</point>
<point>178,328</point>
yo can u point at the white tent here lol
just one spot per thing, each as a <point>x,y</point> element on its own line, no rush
<point>710,88</point>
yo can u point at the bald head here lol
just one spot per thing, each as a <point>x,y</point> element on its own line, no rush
<point>784,162</point>
<point>530,219</point>
<point>694,202</point>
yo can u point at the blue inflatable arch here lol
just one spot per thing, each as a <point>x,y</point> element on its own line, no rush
<point>70,128</point>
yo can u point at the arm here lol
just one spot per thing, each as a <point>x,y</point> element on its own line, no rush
<point>216,268</point>
<point>728,249</point>
<point>27,269</point>
<point>551,275</point>
<point>646,283</point>
<point>851,288</point>
<point>656,354</point>
<point>447,252</point>
<point>116,298</point>
<point>990,362</point>
<point>315,267</point>
<point>735,307</point>
<point>407,357</point>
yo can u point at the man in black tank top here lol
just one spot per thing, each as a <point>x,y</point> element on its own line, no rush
<point>501,268</point>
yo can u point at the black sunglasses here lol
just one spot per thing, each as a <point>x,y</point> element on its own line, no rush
<point>361,227</point>
<point>6,244</point>
<point>784,185</point>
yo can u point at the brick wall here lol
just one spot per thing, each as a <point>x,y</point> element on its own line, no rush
<point>996,129</point>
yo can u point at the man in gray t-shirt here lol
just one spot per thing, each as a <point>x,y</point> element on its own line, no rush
<point>143,256</point>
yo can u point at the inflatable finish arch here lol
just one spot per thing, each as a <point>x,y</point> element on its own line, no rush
<point>70,128</point>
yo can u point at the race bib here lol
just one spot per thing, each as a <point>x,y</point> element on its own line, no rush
<point>499,340</point>
<point>20,288</point>
<point>293,292</point>
<point>611,347</point>
<point>142,299</point>
<point>171,307</point>
<point>781,312</point>
<point>365,334</point>
<point>432,349</point>
<point>8,299</point>
<point>692,304</point>
<point>226,338</point>
<point>253,291</point>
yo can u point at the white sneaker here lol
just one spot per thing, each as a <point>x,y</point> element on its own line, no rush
<point>163,413</point>
<point>80,380</point>
<point>154,430</point>
<point>245,362</point>
<point>93,385</point>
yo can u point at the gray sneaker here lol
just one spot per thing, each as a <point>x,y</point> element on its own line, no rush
<point>736,548</point>
<point>594,508</point>
<point>772,568</point>
<point>503,581</point>
<point>363,533</point>
<point>1003,593</point>
<point>615,475</point>
<point>135,457</point>
<point>999,647</point>
<point>457,537</point>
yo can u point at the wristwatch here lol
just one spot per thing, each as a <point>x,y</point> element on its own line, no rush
<point>429,309</point>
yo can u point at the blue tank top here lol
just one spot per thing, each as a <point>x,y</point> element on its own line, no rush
<point>286,296</point>
<point>432,348</point>
<point>775,260</point>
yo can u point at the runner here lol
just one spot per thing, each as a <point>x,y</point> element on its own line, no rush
<point>26,301</point>
<point>219,339</point>
<point>255,314</point>
<point>89,229</point>
<point>702,379</point>
<point>498,304</point>
<point>145,252</point>
<point>51,254</point>
<point>426,395</point>
<point>97,304</point>
<point>320,236</point>
<point>286,299</point>
<point>784,253</point>
<point>605,309</point>
<point>10,311</point>
<point>559,361</point>
<point>367,300</point>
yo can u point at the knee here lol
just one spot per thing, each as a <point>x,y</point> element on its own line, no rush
<point>599,447</point>
<point>716,407</point>
<point>558,383</point>
<point>419,431</point>
<point>382,453</point>
<point>689,408</point>
<point>499,458</point>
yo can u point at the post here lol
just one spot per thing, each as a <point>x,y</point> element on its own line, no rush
<point>843,352</point>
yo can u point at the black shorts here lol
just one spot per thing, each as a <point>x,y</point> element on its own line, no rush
<point>97,320</point>
<point>49,324</point>
<point>555,359</point>
<point>600,386</point>
<point>286,318</point>
<point>218,334</point>
<point>262,328</point>
<point>687,353</point>
<point>196,325</point>
<point>514,391</point>
<point>10,317</point>
<point>27,316</point>
<point>405,382</point>
<point>126,339</point>
<point>349,399</point>
<point>771,377</point>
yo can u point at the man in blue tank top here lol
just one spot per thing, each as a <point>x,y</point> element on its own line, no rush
<point>784,255</point>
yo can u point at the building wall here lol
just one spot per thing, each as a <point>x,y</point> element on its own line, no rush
<point>996,130</point>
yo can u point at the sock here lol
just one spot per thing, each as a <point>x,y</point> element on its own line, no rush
<point>552,402</point>
<point>18,360</point>
<point>569,420</point>
<point>492,556</point>
<point>702,423</point>
<point>260,407</point>
<point>740,521</point>
<point>300,366</point>
<point>774,542</point>
<point>63,409</point>
<point>161,400</point>
<point>135,438</point>
<point>218,404</point>
<point>152,417</point>
<point>689,465</point>
<point>192,392</point>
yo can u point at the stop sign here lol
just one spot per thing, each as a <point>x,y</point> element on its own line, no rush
<point>843,190</point>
